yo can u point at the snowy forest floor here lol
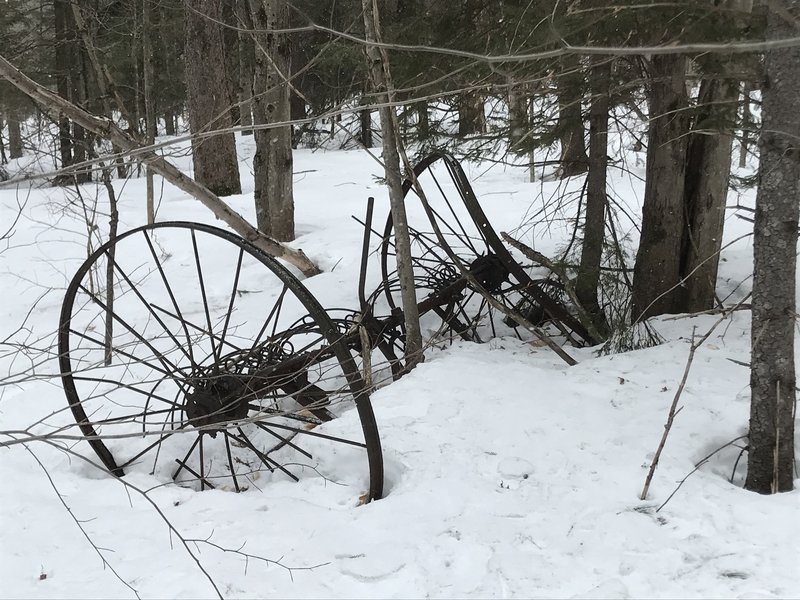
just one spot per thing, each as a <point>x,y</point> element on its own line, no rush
<point>509,474</point>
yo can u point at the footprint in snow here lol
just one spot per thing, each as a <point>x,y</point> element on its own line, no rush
<point>515,468</point>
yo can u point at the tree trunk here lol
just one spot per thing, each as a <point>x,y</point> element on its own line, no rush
<point>657,272</point>
<point>747,123</point>
<point>230,40</point>
<point>14,137</point>
<point>3,157</point>
<point>471,117</point>
<point>246,64</point>
<point>708,168</point>
<point>62,61</point>
<point>423,120</point>
<point>169,123</point>
<point>365,127</point>
<point>594,227</point>
<point>379,75</point>
<point>770,464</point>
<point>574,160</point>
<point>272,162</point>
<point>214,158</point>
<point>149,103</point>
<point>517,115</point>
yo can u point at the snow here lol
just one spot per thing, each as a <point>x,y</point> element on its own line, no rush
<point>508,473</point>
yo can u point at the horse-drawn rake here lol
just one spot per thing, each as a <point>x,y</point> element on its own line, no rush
<point>188,353</point>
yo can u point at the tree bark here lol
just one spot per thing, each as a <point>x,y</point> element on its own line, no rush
<point>230,40</point>
<point>3,157</point>
<point>471,116</point>
<point>747,123</point>
<point>246,64</point>
<point>214,159</point>
<point>594,227</point>
<point>517,115</point>
<point>423,120</point>
<point>708,168</point>
<point>273,161</point>
<point>365,127</point>
<point>14,137</point>
<point>149,103</point>
<point>770,464</point>
<point>657,272</point>
<point>574,160</point>
<point>62,60</point>
<point>108,130</point>
<point>379,75</point>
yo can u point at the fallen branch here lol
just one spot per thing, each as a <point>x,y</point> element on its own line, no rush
<point>107,129</point>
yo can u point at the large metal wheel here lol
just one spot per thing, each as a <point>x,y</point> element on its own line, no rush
<point>453,306</point>
<point>188,353</point>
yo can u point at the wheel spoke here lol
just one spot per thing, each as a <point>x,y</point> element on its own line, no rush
<point>169,290</point>
<point>146,304</point>
<point>203,292</point>
<point>264,458</point>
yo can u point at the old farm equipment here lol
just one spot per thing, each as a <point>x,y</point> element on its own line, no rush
<point>187,352</point>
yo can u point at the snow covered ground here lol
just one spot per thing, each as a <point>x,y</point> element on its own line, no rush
<point>509,474</point>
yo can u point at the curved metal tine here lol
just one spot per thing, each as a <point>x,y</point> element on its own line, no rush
<point>202,464</point>
<point>182,463</point>
<point>467,238</point>
<point>218,356</point>
<point>203,290</point>
<point>264,458</point>
<point>465,190</point>
<point>230,464</point>
<point>169,292</point>
<point>203,481</point>
<point>283,441</point>
<point>139,295</point>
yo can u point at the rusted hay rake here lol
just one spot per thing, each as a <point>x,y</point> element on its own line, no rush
<point>190,354</point>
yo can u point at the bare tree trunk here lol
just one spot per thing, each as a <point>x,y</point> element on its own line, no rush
<point>471,116</point>
<point>246,64</point>
<point>517,114</point>
<point>214,158</point>
<point>230,40</point>
<point>62,60</point>
<point>365,127</point>
<point>14,137</point>
<point>574,160</point>
<point>379,75</point>
<point>3,157</point>
<point>273,160</point>
<point>594,227</point>
<point>149,103</point>
<point>707,172</point>
<point>107,129</point>
<point>770,464</point>
<point>423,120</point>
<point>169,123</point>
<point>747,123</point>
<point>657,272</point>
